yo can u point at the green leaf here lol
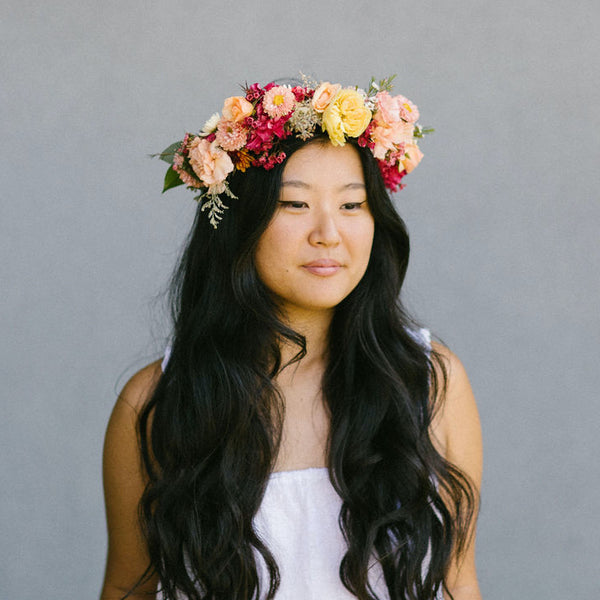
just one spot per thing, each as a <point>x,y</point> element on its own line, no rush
<point>168,153</point>
<point>387,83</point>
<point>421,132</point>
<point>171,180</point>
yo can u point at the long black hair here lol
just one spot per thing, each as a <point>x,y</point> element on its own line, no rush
<point>211,430</point>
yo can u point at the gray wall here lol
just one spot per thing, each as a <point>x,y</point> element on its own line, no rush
<point>503,211</point>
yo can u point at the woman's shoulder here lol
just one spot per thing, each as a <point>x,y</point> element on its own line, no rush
<point>125,479</point>
<point>140,386</point>
<point>457,421</point>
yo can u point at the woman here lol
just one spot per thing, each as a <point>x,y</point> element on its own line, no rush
<point>302,437</point>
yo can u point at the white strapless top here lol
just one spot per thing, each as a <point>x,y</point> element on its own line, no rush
<point>298,521</point>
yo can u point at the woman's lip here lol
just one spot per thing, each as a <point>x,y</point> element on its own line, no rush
<point>323,270</point>
<point>323,262</point>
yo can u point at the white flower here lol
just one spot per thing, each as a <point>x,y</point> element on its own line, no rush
<point>369,102</point>
<point>211,124</point>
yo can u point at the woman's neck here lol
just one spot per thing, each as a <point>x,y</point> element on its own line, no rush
<point>315,329</point>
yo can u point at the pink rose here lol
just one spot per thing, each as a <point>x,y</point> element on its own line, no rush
<point>324,94</point>
<point>412,157</point>
<point>210,163</point>
<point>237,108</point>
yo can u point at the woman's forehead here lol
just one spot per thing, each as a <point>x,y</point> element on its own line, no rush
<point>317,164</point>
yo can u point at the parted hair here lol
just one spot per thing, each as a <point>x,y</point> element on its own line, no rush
<point>210,431</point>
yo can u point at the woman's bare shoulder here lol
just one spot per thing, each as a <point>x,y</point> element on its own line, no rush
<point>140,386</point>
<point>125,479</point>
<point>459,427</point>
<point>457,419</point>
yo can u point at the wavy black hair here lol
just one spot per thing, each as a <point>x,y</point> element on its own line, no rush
<point>211,430</point>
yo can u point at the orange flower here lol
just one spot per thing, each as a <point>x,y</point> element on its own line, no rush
<point>324,94</point>
<point>237,108</point>
<point>412,158</point>
<point>241,160</point>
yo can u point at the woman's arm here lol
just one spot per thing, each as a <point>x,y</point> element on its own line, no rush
<point>458,431</point>
<point>124,483</point>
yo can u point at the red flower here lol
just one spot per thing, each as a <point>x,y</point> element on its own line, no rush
<point>299,93</point>
<point>364,139</point>
<point>391,176</point>
<point>254,92</point>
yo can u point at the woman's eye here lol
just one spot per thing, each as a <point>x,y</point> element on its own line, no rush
<point>292,204</point>
<point>352,206</point>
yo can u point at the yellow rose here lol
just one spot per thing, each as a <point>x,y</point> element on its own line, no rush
<point>345,115</point>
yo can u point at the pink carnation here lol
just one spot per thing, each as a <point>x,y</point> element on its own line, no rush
<point>388,137</point>
<point>177,161</point>
<point>388,108</point>
<point>188,179</point>
<point>231,136</point>
<point>279,101</point>
<point>184,143</point>
<point>209,162</point>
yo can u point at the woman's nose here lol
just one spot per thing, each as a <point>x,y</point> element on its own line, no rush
<point>325,231</point>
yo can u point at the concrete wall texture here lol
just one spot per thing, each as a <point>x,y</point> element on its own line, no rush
<point>503,212</point>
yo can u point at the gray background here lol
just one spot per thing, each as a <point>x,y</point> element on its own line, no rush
<point>503,212</point>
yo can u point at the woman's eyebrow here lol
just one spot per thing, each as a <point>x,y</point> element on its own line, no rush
<point>295,183</point>
<point>353,186</point>
<point>303,185</point>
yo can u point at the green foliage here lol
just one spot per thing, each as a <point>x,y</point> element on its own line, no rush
<point>383,85</point>
<point>421,132</point>
<point>171,179</point>
<point>168,153</point>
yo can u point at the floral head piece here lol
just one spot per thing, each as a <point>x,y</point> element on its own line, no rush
<point>250,128</point>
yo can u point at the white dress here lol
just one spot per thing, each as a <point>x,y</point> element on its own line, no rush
<point>298,520</point>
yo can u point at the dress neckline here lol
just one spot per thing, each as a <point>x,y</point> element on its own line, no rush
<point>309,472</point>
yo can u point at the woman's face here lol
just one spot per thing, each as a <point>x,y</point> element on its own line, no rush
<point>316,248</point>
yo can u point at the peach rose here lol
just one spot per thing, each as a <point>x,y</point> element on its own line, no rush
<point>323,95</point>
<point>412,157</point>
<point>237,108</point>
<point>346,114</point>
<point>210,163</point>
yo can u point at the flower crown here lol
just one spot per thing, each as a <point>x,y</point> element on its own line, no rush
<point>250,128</point>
